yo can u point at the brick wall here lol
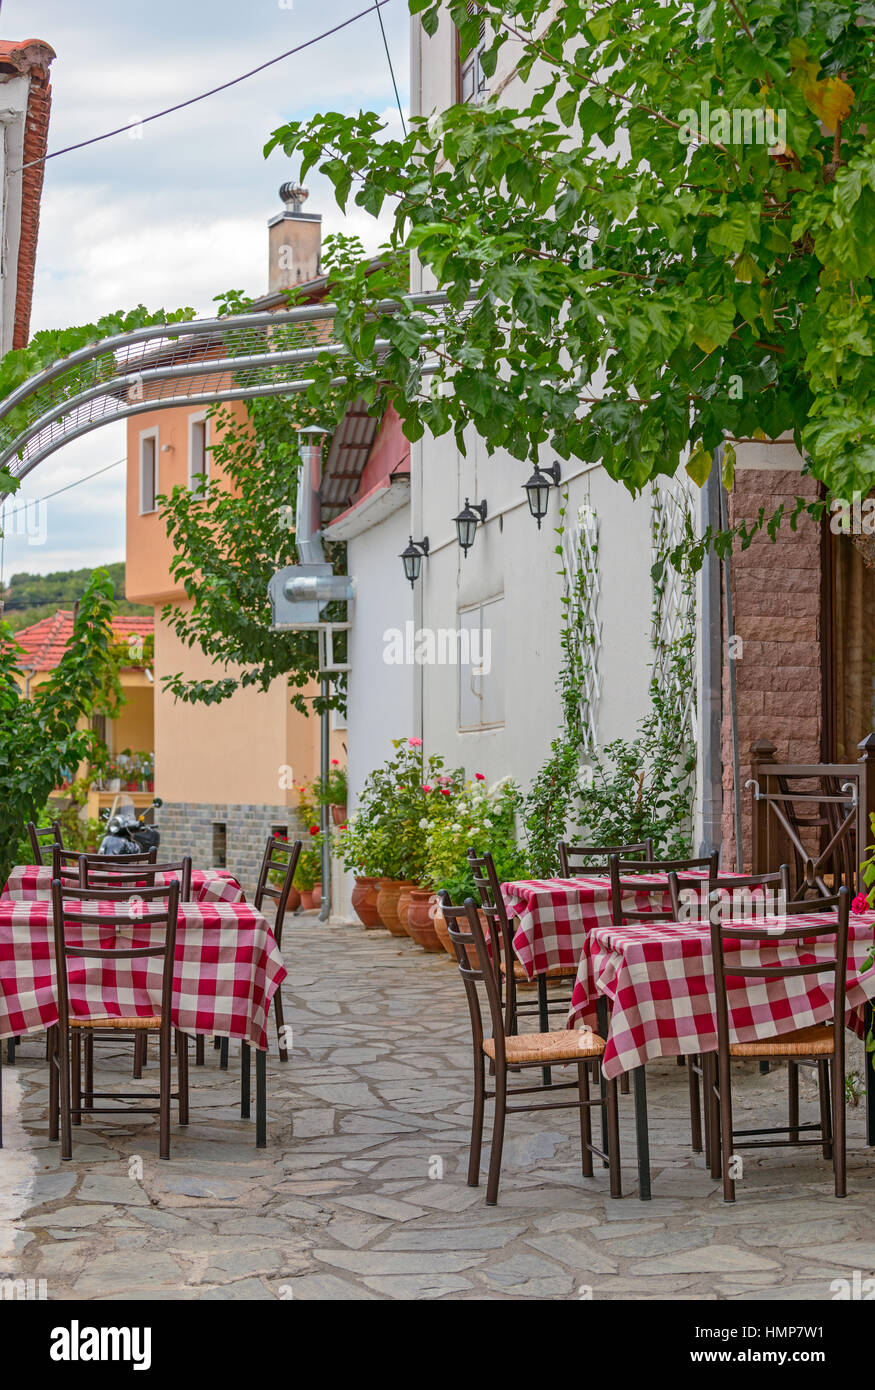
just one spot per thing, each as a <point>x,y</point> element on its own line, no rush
<point>777,598</point>
<point>36,133</point>
<point>187,827</point>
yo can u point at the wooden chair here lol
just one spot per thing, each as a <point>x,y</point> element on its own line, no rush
<point>572,858</point>
<point>283,856</point>
<point>726,883</point>
<point>40,835</point>
<point>622,888</point>
<point>516,1051</point>
<point>514,976</point>
<point>77,908</point>
<point>127,870</point>
<point>822,1045</point>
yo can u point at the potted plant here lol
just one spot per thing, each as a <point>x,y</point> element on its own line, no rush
<point>353,846</point>
<point>332,792</point>
<point>481,818</point>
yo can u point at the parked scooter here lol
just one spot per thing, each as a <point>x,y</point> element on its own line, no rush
<point>126,831</point>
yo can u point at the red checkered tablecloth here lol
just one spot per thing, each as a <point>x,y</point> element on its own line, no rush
<point>659,980</point>
<point>32,883</point>
<point>555,915</point>
<point>228,967</point>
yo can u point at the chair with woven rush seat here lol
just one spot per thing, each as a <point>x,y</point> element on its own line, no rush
<point>44,835</point>
<point>821,1045</point>
<point>513,974</point>
<point>567,1047</point>
<point>574,859</point>
<point>281,856</point>
<point>75,911</point>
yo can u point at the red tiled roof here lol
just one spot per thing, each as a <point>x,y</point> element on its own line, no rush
<point>31,58</point>
<point>46,641</point>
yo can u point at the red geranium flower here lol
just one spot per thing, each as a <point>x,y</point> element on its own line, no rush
<point>479,776</point>
<point>415,742</point>
<point>860,904</point>
<point>314,830</point>
<point>426,789</point>
<point>445,791</point>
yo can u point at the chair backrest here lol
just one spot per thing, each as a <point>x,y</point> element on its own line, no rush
<point>144,856</point>
<point>627,886</point>
<point>281,855</point>
<point>116,871</point>
<point>78,907</point>
<point>40,835</point>
<point>65,864</point>
<point>835,964</point>
<point>463,925</point>
<point>575,860</point>
<point>492,905</point>
<point>744,886</point>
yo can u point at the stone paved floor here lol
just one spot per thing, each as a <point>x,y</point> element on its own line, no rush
<point>361,1192</point>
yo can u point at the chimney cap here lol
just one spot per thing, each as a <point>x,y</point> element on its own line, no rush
<point>294,196</point>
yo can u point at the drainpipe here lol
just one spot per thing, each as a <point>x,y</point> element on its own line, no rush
<point>308,541</point>
<point>710,669</point>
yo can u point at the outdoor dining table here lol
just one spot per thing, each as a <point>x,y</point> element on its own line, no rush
<point>228,966</point>
<point>33,883</point>
<point>659,981</point>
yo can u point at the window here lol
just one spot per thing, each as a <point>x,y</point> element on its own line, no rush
<point>472,79</point>
<point>198,453</point>
<point>148,471</point>
<point>481,665</point>
<point>220,845</point>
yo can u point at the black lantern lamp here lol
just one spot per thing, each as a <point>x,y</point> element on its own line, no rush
<point>466,523</point>
<point>538,490</point>
<point>411,558</point>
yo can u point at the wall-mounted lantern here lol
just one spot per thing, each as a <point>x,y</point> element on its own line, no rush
<point>466,523</point>
<point>411,558</point>
<point>538,490</point>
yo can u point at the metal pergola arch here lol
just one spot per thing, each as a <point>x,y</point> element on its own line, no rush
<point>198,362</point>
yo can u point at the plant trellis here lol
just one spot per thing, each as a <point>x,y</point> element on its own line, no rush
<point>673,632</point>
<point>580,547</point>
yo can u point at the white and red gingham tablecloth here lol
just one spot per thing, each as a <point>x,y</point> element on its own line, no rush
<point>32,883</point>
<point>659,980</point>
<point>555,915</point>
<point>228,967</point>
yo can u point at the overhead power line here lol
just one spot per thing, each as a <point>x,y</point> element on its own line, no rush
<point>389,58</point>
<point>35,501</point>
<point>223,87</point>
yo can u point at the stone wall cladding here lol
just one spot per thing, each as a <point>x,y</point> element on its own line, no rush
<point>777,600</point>
<point>187,828</point>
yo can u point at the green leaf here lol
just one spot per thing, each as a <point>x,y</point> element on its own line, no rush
<point>699,465</point>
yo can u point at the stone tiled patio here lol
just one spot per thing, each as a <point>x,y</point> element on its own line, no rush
<point>361,1192</point>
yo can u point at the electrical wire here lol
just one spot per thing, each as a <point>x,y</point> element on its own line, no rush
<point>391,68</point>
<point>223,87</point>
<point>35,501</point>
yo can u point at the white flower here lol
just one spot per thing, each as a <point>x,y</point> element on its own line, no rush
<point>423,824</point>
<point>488,823</point>
<point>455,827</point>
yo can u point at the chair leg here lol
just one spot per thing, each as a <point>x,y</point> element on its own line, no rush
<point>641,1135</point>
<point>223,1054</point>
<point>713,1109</point>
<point>199,1051</point>
<point>76,1082</point>
<point>825,1118</point>
<point>613,1110</point>
<point>165,1045</point>
<point>280,1024</point>
<point>606,1129</point>
<point>477,1122</point>
<point>139,1054</point>
<point>63,1046</point>
<point>624,1084</point>
<point>838,1104</point>
<point>182,1075</point>
<point>695,1107</point>
<point>585,1119</point>
<point>497,1136</point>
<point>245,1082</point>
<point>726,1134</point>
<point>793,1102</point>
<point>544,1023</point>
<point>54,1106</point>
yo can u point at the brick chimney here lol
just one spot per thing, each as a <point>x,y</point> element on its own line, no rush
<point>25,98</point>
<point>295,242</point>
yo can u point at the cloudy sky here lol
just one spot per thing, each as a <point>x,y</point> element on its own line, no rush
<point>176,216</point>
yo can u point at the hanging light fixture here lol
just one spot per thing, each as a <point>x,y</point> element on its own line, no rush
<point>466,523</point>
<point>411,558</point>
<point>538,490</point>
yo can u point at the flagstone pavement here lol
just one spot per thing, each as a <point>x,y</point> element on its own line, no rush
<point>361,1192</point>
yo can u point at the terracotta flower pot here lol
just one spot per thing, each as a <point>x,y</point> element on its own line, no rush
<point>407,889</point>
<point>443,936</point>
<point>308,899</point>
<point>421,920</point>
<point>338,815</point>
<point>317,894</point>
<point>388,892</point>
<point>364,903</point>
<point>294,900</point>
